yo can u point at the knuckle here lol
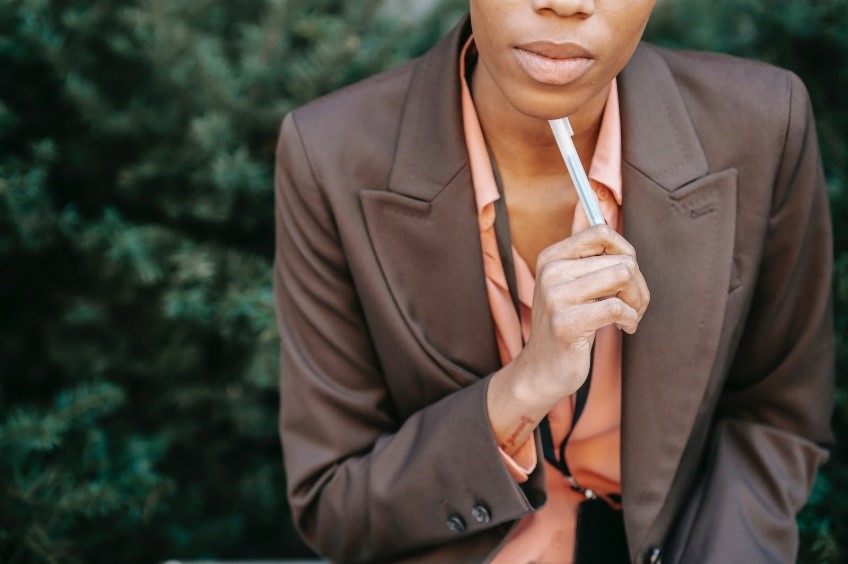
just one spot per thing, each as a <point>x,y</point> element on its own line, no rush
<point>616,307</point>
<point>549,294</point>
<point>553,300</point>
<point>594,233</point>
<point>607,232</point>
<point>561,324</point>
<point>547,273</point>
<point>543,260</point>
<point>622,271</point>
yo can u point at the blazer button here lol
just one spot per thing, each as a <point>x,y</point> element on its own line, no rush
<point>456,524</point>
<point>481,513</point>
<point>654,555</point>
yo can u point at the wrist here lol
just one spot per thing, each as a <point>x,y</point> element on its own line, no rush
<point>543,385</point>
<point>529,389</point>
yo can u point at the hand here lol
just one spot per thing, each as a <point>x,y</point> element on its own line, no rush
<point>583,283</point>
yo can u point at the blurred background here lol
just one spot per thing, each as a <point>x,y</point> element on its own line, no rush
<point>138,346</point>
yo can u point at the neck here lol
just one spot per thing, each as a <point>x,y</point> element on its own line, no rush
<point>525,146</point>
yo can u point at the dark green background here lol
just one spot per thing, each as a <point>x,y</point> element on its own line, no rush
<point>138,348</point>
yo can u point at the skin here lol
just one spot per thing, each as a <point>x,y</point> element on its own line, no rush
<point>583,281</point>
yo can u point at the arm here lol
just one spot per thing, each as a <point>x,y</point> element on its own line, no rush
<point>362,484</point>
<point>773,417</point>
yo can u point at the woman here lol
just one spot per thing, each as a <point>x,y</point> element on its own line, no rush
<point>437,355</point>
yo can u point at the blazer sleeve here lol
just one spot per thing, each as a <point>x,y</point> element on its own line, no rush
<point>363,485</point>
<point>772,428</point>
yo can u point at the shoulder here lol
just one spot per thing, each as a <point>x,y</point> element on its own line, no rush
<point>734,83</point>
<point>380,94</point>
<point>725,82</point>
<point>722,69</point>
<point>356,123</point>
<point>747,107</point>
<point>730,82</point>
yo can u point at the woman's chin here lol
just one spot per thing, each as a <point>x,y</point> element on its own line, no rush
<point>546,108</point>
<point>555,103</point>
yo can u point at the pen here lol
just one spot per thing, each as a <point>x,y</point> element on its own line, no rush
<point>563,132</point>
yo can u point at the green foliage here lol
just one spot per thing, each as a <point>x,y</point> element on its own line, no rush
<point>62,469</point>
<point>138,348</point>
<point>136,237</point>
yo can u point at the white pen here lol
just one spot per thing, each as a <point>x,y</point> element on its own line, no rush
<point>563,132</point>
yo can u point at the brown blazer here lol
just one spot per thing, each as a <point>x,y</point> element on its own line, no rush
<point>388,341</point>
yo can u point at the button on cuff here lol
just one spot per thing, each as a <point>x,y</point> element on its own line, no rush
<point>456,524</point>
<point>481,513</point>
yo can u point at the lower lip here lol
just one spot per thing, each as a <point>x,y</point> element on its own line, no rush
<point>558,72</point>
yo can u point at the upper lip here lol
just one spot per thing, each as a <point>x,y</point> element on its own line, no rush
<point>557,49</point>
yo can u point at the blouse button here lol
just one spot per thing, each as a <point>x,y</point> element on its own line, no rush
<point>654,555</point>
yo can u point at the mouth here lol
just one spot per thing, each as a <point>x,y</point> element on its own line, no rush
<point>553,63</point>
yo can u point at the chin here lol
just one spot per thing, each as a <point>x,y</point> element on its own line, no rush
<point>546,106</point>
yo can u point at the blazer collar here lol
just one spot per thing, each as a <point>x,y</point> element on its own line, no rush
<point>658,138</point>
<point>431,144</point>
<point>424,229</point>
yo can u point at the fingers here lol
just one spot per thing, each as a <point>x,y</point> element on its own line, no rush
<point>617,281</point>
<point>591,279</point>
<point>572,282</point>
<point>575,323</point>
<point>594,241</point>
<point>558,271</point>
<point>609,311</point>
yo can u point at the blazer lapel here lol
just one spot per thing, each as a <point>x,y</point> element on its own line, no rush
<point>424,229</point>
<point>681,222</point>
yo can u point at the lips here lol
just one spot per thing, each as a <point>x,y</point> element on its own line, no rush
<point>553,63</point>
